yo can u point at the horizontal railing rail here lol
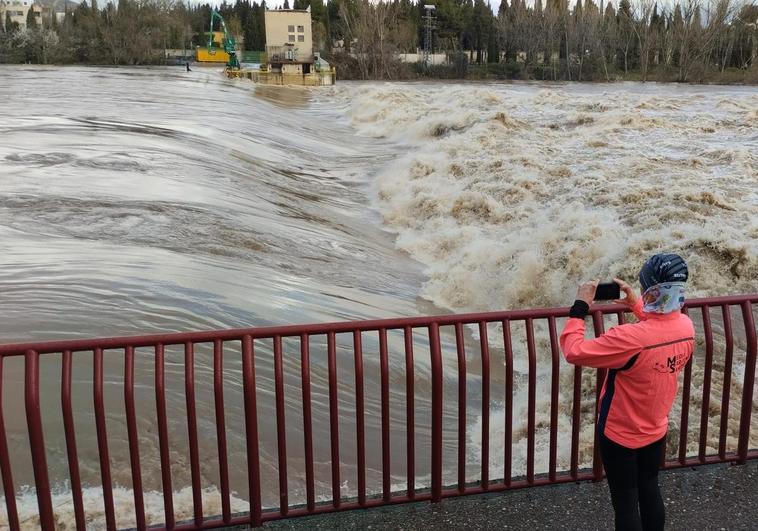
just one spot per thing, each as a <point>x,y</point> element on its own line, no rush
<point>435,390</point>
<point>177,338</point>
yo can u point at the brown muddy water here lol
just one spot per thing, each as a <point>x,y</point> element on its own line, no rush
<point>139,201</point>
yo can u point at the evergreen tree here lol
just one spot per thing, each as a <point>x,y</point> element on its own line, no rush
<point>286,4</point>
<point>677,29</point>
<point>502,11</point>
<point>31,20</point>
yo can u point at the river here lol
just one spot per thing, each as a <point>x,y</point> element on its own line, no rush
<point>137,201</point>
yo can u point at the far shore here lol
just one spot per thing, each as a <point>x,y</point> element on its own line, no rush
<point>485,73</point>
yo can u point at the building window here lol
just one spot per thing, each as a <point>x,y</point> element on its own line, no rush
<point>300,29</point>
<point>292,38</point>
<point>301,38</point>
<point>291,29</point>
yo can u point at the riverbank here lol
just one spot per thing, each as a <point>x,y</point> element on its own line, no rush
<point>347,70</point>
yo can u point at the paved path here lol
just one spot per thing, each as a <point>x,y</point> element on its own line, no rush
<point>713,497</point>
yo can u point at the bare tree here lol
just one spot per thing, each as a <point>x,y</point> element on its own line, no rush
<point>645,34</point>
<point>697,41</point>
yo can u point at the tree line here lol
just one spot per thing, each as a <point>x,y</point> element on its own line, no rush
<point>644,40</point>
<point>689,41</point>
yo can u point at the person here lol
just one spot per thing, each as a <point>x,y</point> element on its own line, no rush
<point>644,360</point>
<point>187,65</point>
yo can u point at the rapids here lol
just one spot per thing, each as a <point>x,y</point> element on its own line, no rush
<point>138,201</point>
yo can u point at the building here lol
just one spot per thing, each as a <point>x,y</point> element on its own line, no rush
<point>19,9</point>
<point>289,41</point>
<point>289,58</point>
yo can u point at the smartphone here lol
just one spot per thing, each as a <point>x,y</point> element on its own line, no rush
<point>607,291</point>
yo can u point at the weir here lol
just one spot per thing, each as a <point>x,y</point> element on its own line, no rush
<point>706,426</point>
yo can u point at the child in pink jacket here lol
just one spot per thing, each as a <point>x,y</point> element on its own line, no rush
<point>644,360</point>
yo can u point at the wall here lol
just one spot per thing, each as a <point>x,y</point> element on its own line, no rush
<point>279,37</point>
<point>434,58</point>
<point>19,9</point>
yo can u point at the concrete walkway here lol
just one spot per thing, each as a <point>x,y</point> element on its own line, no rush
<point>714,497</point>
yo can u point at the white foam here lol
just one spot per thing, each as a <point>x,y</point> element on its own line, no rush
<point>123,502</point>
<point>511,199</point>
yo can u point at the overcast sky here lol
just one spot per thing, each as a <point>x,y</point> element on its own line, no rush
<point>495,4</point>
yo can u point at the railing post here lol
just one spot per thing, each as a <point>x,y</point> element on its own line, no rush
<point>194,451</point>
<point>132,435</point>
<point>485,450</point>
<point>727,384</point>
<point>281,432</point>
<point>251,431</point>
<point>410,421</point>
<point>163,443</point>
<point>9,490</point>
<point>385,394</point>
<point>436,362</point>
<point>70,434</point>
<point>360,424</point>
<point>305,375</point>
<point>334,426</point>
<point>747,386</point>
<point>37,441</point>
<point>597,462</point>
<point>508,442</point>
<point>218,402</point>
<point>531,400</point>
<point>685,417</point>
<point>461,350</point>
<point>705,404</point>
<point>554,387</point>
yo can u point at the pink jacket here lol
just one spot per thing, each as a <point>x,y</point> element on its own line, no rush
<point>644,359</point>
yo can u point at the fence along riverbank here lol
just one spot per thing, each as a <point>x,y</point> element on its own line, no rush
<point>711,423</point>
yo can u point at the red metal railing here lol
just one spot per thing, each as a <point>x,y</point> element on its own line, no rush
<point>447,338</point>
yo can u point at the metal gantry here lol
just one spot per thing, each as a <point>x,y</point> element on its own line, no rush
<point>428,29</point>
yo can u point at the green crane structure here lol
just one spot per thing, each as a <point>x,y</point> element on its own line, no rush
<point>227,43</point>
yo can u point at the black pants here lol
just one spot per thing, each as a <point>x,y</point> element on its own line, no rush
<point>633,480</point>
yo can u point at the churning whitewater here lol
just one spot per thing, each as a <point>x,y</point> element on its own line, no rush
<point>163,201</point>
<point>511,195</point>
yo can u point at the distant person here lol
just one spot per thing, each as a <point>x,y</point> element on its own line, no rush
<point>644,360</point>
<point>187,65</point>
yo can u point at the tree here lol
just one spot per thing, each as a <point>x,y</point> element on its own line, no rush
<point>479,28</point>
<point>31,19</point>
<point>645,31</point>
<point>745,50</point>
<point>608,36</point>
<point>626,35</point>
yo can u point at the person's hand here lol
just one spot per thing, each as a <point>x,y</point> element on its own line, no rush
<point>586,291</point>
<point>631,297</point>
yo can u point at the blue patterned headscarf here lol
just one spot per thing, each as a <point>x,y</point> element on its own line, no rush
<point>663,298</point>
